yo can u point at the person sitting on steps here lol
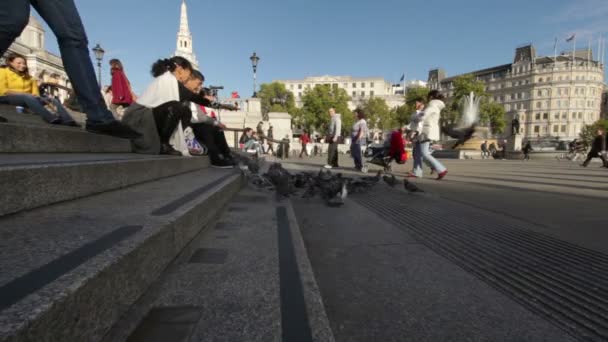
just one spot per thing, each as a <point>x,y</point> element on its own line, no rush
<point>63,18</point>
<point>158,112</point>
<point>19,88</point>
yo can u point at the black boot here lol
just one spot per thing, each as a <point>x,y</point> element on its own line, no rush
<point>167,120</point>
<point>168,149</point>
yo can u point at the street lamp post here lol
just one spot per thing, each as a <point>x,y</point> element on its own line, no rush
<point>254,63</point>
<point>99,56</point>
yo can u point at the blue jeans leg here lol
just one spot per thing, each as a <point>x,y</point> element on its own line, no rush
<point>14,15</point>
<point>31,102</point>
<point>63,18</point>
<point>417,159</point>
<point>355,152</point>
<point>428,157</point>
<point>62,112</point>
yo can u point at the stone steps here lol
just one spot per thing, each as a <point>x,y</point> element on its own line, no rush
<point>70,270</point>
<point>247,279</point>
<point>33,180</point>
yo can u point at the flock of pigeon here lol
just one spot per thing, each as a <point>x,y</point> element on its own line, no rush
<point>333,188</point>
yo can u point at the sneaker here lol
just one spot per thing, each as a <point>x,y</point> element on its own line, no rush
<point>411,175</point>
<point>327,166</point>
<point>113,128</point>
<point>222,165</point>
<point>441,175</point>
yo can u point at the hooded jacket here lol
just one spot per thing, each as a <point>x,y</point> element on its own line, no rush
<point>430,120</point>
<point>335,126</point>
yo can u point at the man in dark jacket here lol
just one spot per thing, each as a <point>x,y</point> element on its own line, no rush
<point>598,148</point>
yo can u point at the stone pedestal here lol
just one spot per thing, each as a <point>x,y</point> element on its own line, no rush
<point>281,123</point>
<point>514,143</point>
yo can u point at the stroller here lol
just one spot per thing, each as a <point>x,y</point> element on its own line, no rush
<point>381,154</point>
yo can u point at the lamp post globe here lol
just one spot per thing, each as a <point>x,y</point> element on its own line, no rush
<point>254,63</point>
<point>99,52</point>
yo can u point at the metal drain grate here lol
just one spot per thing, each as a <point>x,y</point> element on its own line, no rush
<point>564,282</point>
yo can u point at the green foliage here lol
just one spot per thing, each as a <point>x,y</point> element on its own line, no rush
<point>401,115</point>
<point>316,104</point>
<point>378,114</point>
<point>589,132</point>
<point>271,95</point>
<point>492,114</point>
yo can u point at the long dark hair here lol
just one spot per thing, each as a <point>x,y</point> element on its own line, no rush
<point>169,64</point>
<point>435,95</point>
<point>116,64</point>
<point>10,58</point>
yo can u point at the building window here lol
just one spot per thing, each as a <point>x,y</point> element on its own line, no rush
<point>556,116</point>
<point>354,85</point>
<point>536,129</point>
<point>537,116</point>
<point>362,94</point>
<point>540,80</point>
<point>539,105</point>
<point>580,115</point>
<point>573,116</point>
<point>371,93</point>
<point>559,104</point>
<point>539,93</point>
<point>371,85</point>
<point>362,85</point>
<point>300,94</point>
<point>545,116</point>
<point>563,128</point>
<point>354,93</point>
<point>299,86</point>
<point>555,128</point>
<point>564,116</point>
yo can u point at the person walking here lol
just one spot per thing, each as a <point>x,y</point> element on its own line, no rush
<point>260,135</point>
<point>63,19</point>
<point>430,131</point>
<point>304,140</point>
<point>333,138</point>
<point>122,94</point>
<point>527,149</point>
<point>19,88</point>
<point>358,137</point>
<point>598,148</point>
<point>414,136</point>
<point>485,153</point>
<point>270,137</point>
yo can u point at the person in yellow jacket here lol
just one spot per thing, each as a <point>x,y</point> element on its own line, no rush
<point>19,88</point>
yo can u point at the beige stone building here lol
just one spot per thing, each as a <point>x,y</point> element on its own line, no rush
<point>358,88</point>
<point>43,65</point>
<point>552,96</point>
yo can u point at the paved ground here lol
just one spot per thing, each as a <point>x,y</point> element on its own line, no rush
<point>498,251</point>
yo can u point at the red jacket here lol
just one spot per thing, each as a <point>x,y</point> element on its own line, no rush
<point>304,139</point>
<point>121,89</point>
<point>397,143</point>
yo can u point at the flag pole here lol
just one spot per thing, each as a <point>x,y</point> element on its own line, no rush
<point>555,51</point>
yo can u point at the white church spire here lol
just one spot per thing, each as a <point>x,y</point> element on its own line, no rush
<point>184,38</point>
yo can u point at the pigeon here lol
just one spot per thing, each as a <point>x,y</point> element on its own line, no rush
<point>390,180</point>
<point>411,187</point>
<point>462,135</point>
<point>374,179</point>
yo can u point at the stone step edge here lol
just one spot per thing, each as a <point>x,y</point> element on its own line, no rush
<point>92,302</point>
<point>317,316</point>
<point>35,177</point>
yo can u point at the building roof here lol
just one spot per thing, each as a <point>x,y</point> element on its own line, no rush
<point>480,72</point>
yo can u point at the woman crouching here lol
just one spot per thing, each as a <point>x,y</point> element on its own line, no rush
<point>158,112</point>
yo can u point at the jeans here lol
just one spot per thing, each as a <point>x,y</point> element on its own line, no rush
<point>63,18</point>
<point>35,104</point>
<point>428,157</point>
<point>417,155</point>
<point>355,152</point>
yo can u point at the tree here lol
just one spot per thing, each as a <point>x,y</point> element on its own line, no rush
<point>492,113</point>
<point>316,104</point>
<point>378,114</point>
<point>276,98</point>
<point>589,132</point>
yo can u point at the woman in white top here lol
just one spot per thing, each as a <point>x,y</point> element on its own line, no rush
<point>158,112</point>
<point>430,131</point>
<point>358,137</point>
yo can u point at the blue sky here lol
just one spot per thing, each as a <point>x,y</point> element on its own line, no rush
<point>337,37</point>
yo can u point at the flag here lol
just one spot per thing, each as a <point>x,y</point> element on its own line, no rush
<point>402,78</point>
<point>235,95</point>
<point>571,38</point>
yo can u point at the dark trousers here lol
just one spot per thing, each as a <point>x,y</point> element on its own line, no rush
<point>595,154</point>
<point>270,148</point>
<point>304,151</point>
<point>167,116</point>
<point>63,18</point>
<point>213,139</point>
<point>36,105</point>
<point>332,154</point>
<point>355,152</point>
